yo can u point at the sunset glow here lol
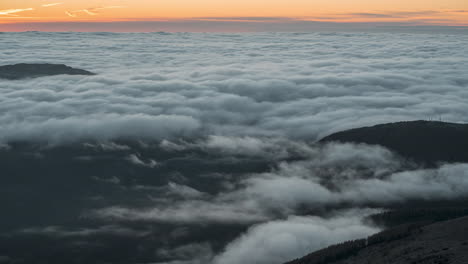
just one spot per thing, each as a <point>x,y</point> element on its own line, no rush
<point>417,12</point>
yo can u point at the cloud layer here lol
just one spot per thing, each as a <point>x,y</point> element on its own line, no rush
<point>287,85</point>
<point>277,242</point>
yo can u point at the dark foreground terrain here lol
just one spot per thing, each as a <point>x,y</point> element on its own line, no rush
<point>440,243</point>
<point>23,71</point>
<point>50,191</point>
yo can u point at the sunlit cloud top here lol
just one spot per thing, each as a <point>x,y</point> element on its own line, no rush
<point>12,12</point>
<point>52,4</point>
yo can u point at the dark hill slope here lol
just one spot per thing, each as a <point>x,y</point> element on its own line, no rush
<point>22,71</point>
<point>439,243</point>
<point>424,141</point>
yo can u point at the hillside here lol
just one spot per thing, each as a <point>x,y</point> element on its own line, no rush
<point>423,141</point>
<point>23,70</point>
<point>417,232</point>
<point>439,243</point>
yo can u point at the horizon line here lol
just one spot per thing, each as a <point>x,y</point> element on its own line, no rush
<point>216,26</point>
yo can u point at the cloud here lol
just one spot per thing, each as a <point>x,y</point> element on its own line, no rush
<point>185,191</point>
<point>304,97</point>
<point>373,15</point>
<point>331,176</point>
<point>52,4</point>
<point>133,158</point>
<point>289,192</point>
<point>389,16</point>
<point>357,175</point>
<point>86,11</point>
<point>61,232</point>
<point>92,11</point>
<point>12,12</point>
<point>102,127</point>
<point>246,19</point>
<point>398,14</point>
<point>189,212</point>
<point>70,14</point>
<point>247,146</point>
<point>279,241</point>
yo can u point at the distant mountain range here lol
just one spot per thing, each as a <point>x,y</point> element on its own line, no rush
<point>23,71</point>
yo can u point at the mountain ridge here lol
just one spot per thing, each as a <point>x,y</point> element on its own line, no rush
<point>429,142</point>
<point>34,70</point>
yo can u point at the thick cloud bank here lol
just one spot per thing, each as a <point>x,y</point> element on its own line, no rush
<point>172,85</point>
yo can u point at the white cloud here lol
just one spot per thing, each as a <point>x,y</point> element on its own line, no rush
<point>332,175</point>
<point>189,212</point>
<point>279,241</point>
<point>301,86</point>
<point>12,12</point>
<point>100,126</point>
<point>133,158</point>
<point>51,4</point>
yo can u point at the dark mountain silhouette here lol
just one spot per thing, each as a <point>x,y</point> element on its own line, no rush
<point>424,141</point>
<point>439,243</point>
<point>23,70</point>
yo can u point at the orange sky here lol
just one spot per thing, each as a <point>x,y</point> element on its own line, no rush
<point>435,12</point>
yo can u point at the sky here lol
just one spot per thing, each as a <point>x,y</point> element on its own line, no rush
<point>228,15</point>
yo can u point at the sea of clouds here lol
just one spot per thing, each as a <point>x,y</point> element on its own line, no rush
<point>160,86</point>
<point>239,97</point>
